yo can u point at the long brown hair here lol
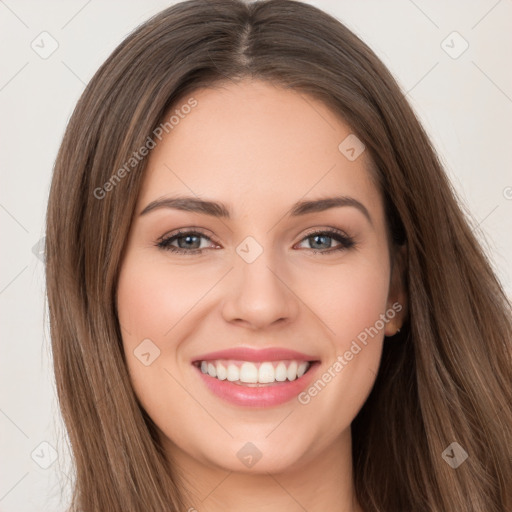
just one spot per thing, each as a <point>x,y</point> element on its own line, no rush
<point>445,378</point>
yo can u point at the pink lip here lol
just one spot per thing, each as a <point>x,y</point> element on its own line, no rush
<point>264,396</point>
<point>255,355</point>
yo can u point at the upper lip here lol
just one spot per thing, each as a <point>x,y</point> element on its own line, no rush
<point>255,355</point>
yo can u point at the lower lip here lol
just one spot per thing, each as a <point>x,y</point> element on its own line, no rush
<point>265,396</point>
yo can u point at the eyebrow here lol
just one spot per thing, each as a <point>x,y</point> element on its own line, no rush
<point>218,209</point>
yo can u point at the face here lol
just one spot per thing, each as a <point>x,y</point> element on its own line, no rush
<point>259,320</point>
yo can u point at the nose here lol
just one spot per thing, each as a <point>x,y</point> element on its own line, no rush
<point>259,295</point>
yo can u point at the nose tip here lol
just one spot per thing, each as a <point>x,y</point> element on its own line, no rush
<point>258,296</point>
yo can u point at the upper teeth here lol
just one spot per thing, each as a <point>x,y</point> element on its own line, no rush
<point>262,373</point>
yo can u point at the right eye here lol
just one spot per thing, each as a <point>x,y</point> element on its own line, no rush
<point>188,242</point>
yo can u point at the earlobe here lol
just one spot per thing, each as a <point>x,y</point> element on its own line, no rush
<point>390,331</point>
<point>397,299</point>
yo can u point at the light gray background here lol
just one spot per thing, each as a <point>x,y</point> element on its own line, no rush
<point>464,103</point>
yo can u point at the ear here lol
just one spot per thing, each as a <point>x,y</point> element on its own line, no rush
<point>397,297</point>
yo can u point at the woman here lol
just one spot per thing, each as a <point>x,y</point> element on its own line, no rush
<point>263,293</point>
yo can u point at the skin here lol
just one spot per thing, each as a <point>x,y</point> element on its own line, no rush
<point>258,149</point>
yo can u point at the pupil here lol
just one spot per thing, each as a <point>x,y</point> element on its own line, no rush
<point>188,239</point>
<point>317,237</point>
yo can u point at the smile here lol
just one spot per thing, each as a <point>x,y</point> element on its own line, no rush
<point>256,378</point>
<point>246,372</point>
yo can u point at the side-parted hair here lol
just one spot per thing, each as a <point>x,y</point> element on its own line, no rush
<point>446,377</point>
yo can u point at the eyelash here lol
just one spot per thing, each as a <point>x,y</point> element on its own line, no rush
<point>346,242</point>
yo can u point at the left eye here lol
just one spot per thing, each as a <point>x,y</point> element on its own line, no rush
<point>324,239</point>
<point>189,242</point>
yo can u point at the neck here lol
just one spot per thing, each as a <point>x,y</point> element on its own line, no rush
<point>320,483</point>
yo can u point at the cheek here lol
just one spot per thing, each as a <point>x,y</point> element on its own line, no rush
<point>152,299</point>
<point>351,309</point>
<point>347,298</point>
<point>159,305</point>
<point>152,305</point>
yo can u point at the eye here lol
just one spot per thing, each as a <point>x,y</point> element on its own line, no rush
<point>321,241</point>
<point>190,242</point>
<point>187,242</point>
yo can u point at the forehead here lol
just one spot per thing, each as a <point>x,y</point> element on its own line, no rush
<point>258,143</point>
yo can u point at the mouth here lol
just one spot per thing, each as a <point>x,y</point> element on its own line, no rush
<point>256,378</point>
<point>254,374</point>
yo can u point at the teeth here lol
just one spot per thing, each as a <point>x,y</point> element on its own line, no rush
<point>301,370</point>
<point>292,371</point>
<point>281,372</point>
<point>248,373</point>
<point>233,373</point>
<point>266,373</point>
<point>255,373</point>
<point>212,371</point>
<point>222,373</point>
